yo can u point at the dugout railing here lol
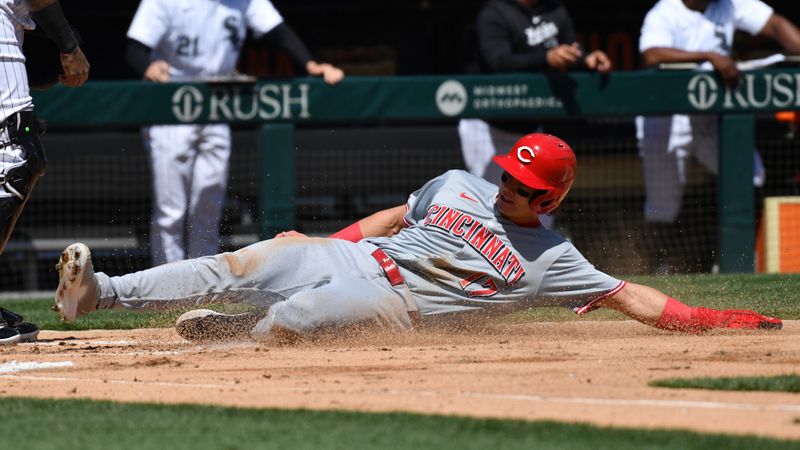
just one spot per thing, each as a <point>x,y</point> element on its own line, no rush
<point>276,107</point>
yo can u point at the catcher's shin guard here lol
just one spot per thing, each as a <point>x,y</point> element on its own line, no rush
<point>19,180</point>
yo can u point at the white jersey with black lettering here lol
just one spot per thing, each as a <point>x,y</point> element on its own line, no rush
<point>666,142</point>
<point>14,92</point>
<point>458,253</point>
<point>671,24</point>
<point>187,33</point>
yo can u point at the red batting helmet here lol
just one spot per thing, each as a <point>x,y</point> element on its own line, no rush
<point>542,162</point>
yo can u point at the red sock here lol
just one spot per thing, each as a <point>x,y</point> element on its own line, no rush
<point>677,316</point>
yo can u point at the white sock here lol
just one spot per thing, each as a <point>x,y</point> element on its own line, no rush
<point>10,157</point>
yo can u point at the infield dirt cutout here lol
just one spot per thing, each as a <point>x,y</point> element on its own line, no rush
<point>592,372</point>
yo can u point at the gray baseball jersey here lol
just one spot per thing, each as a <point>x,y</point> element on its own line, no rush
<point>459,254</point>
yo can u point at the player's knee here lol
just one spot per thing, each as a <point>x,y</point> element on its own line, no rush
<point>243,262</point>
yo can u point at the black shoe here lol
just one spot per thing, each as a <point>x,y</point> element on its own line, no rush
<point>8,335</point>
<point>26,331</point>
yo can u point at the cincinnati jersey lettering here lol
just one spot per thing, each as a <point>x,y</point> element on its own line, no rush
<point>500,256</point>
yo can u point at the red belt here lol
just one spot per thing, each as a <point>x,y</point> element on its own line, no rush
<point>389,267</point>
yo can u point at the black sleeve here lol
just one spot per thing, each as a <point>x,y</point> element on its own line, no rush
<point>137,55</point>
<point>566,29</point>
<point>51,19</point>
<point>495,46</point>
<point>566,35</point>
<point>284,37</point>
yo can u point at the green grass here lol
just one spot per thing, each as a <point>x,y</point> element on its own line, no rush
<point>88,425</point>
<point>768,294</point>
<point>81,424</point>
<point>780,383</point>
<point>38,311</point>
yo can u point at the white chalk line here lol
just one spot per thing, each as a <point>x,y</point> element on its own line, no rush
<point>14,366</point>
<point>124,382</point>
<point>62,342</point>
<point>689,404</point>
<point>683,404</point>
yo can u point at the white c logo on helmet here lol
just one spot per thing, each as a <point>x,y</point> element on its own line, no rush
<point>522,158</point>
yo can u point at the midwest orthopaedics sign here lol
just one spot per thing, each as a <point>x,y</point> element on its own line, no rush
<point>755,90</point>
<point>241,103</point>
<point>452,98</point>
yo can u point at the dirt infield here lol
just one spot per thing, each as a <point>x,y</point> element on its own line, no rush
<point>595,372</point>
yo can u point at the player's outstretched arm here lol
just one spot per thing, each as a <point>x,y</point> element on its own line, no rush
<point>639,302</point>
<point>657,309</point>
<point>383,223</point>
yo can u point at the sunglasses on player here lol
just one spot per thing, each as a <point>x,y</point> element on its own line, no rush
<point>520,191</point>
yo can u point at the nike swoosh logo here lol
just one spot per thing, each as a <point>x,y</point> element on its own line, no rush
<point>464,195</point>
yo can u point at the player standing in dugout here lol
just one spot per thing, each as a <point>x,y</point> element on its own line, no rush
<point>197,40</point>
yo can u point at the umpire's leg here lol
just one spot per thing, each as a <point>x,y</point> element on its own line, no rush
<point>18,176</point>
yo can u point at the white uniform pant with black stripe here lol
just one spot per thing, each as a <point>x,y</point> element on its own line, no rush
<point>190,178</point>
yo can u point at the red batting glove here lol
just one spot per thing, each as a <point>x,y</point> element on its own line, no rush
<point>677,316</point>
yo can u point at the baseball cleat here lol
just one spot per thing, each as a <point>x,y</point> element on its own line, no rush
<point>208,325</point>
<point>28,332</point>
<point>8,335</point>
<point>751,320</point>
<point>78,289</point>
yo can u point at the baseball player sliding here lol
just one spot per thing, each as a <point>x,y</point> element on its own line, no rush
<point>459,246</point>
<point>195,40</point>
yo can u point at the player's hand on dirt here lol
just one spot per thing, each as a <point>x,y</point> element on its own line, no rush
<point>598,61</point>
<point>157,71</point>
<point>330,73</point>
<point>76,68</point>
<point>726,68</point>
<point>290,233</point>
<point>563,56</point>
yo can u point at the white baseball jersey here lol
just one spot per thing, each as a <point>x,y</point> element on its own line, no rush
<point>671,24</point>
<point>187,33</point>
<point>14,92</point>
<point>459,254</point>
